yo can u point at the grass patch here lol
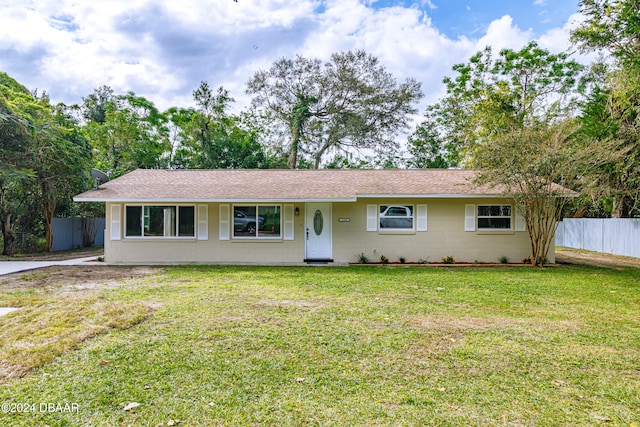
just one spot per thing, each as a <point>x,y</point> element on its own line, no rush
<point>55,314</point>
<point>346,346</point>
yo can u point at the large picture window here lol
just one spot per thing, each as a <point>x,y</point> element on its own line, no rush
<point>160,221</point>
<point>494,217</point>
<point>396,217</point>
<point>257,221</point>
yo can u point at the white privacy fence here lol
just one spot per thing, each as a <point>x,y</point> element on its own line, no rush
<point>620,236</point>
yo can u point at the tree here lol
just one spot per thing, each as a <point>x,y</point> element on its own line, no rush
<point>13,181</point>
<point>126,131</point>
<point>60,158</point>
<point>43,157</point>
<point>536,165</point>
<point>613,112</point>
<point>348,103</point>
<point>428,150</point>
<point>15,175</point>
<point>211,138</point>
<point>489,96</point>
<point>613,27</point>
<point>513,119</point>
<point>98,103</point>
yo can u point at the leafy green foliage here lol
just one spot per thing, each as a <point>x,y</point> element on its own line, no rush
<point>428,150</point>
<point>126,131</point>
<point>489,96</point>
<point>350,103</point>
<point>511,117</point>
<point>613,27</point>
<point>43,153</point>
<point>211,138</point>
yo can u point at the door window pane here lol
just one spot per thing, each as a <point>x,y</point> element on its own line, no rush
<point>318,222</point>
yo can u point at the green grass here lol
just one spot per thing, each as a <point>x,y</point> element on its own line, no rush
<point>352,346</point>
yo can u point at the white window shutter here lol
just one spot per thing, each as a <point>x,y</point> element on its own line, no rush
<point>203,222</point>
<point>520,225</point>
<point>421,218</point>
<point>115,226</point>
<point>288,222</point>
<point>469,217</point>
<point>224,222</point>
<point>372,217</point>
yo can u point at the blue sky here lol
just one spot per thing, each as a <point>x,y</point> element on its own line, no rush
<point>470,18</point>
<point>163,49</point>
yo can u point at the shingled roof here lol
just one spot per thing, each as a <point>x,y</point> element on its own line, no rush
<point>286,185</point>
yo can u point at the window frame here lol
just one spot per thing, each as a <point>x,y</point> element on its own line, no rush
<point>486,229</point>
<point>413,216</point>
<point>232,216</point>
<point>177,221</point>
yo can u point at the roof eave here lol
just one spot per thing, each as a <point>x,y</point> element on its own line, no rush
<point>430,196</point>
<point>214,200</point>
<point>287,200</point>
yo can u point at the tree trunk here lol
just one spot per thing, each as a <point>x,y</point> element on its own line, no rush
<point>48,215</point>
<point>541,215</point>
<point>7,235</point>
<point>49,234</point>
<point>49,207</point>
<point>320,153</point>
<point>292,161</point>
<point>88,231</point>
<point>620,207</point>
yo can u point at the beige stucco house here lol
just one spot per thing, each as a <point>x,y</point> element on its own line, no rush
<point>293,216</point>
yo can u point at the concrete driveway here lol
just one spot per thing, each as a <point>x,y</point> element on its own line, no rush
<point>8,267</point>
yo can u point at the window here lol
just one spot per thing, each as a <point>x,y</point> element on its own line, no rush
<point>186,221</point>
<point>396,217</point>
<point>495,217</point>
<point>261,221</point>
<point>160,221</point>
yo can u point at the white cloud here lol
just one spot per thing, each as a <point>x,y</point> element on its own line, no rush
<point>404,40</point>
<point>429,4</point>
<point>503,34</point>
<point>162,50</point>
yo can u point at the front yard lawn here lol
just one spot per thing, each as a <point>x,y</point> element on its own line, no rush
<point>206,346</point>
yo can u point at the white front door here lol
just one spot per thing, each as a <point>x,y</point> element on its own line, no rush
<point>318,232</point>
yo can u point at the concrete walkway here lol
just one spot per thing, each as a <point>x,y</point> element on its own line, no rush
<point>8,267</point>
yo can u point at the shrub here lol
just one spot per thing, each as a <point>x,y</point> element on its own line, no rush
<point>448,259</point>
<point>424,260</point>
<point>384,259</point>
<point>362,258</point>
<point>402,260</point>
<point>504,259</point>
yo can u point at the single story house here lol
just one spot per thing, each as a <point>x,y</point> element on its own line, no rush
<point>292,216</point>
